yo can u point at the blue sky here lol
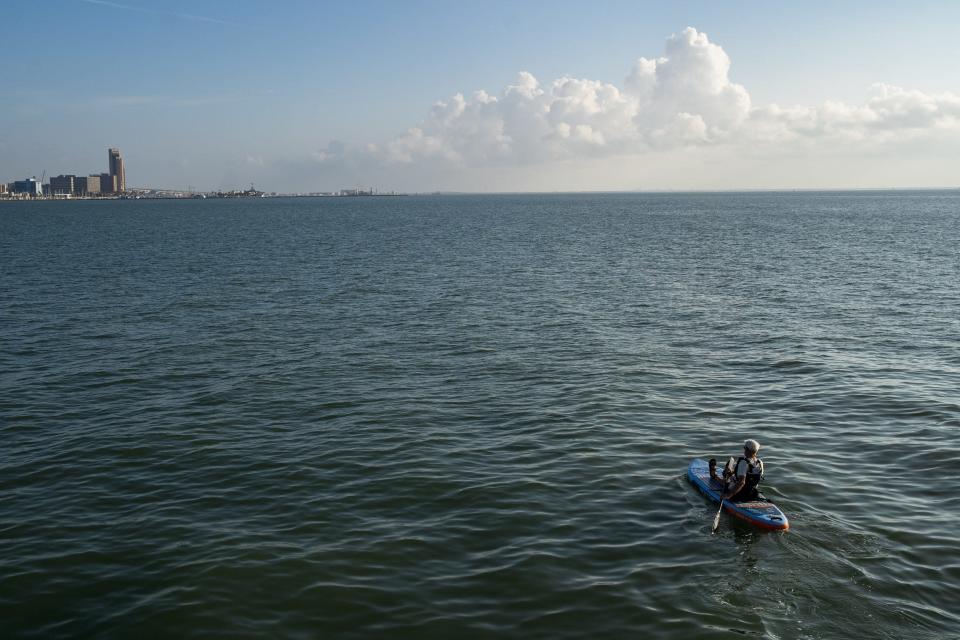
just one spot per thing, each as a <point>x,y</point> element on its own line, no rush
<point>216,94</point>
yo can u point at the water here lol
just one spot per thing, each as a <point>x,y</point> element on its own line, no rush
<point>469,417</point>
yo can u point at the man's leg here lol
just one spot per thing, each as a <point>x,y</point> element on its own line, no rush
<point>729,468</point>
<point>713,471</point>
<point>729,477</point>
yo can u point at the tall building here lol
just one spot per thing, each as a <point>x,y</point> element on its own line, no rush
<point>108,183</point>
<point>63,185</point>
<point>116,169</point>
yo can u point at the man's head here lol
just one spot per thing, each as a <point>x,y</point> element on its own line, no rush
<point>751,447</point>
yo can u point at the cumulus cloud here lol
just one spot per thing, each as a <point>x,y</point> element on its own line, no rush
<point>683,98</point>
<point>335,151</point>
<point>688,91</point>
<point>891,113</point>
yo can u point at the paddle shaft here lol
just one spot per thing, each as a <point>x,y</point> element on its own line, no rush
<point>716,518</point>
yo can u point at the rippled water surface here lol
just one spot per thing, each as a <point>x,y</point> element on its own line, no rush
<point>469,416</point>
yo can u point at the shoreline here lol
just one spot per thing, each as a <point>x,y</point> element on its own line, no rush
<point>266,196</point>
<point>200,197</point>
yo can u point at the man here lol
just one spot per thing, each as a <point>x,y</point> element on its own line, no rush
<point>741,479</point>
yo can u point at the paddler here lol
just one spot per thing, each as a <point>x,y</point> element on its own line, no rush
<point>741,479</point>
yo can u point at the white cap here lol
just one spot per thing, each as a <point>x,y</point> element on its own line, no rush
<point>752,446</point>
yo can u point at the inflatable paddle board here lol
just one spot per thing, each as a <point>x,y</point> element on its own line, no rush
<point>761,513</point>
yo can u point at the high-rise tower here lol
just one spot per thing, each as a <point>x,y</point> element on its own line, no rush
<point>116,169</point>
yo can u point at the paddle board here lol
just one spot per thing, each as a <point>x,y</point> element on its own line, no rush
<point>760,513</point>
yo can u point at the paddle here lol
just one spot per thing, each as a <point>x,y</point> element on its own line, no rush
<point>716,518</point>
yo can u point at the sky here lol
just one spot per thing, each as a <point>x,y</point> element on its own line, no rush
<point>432,95</point>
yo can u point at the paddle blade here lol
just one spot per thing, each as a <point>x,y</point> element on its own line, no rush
<point>716,518</point>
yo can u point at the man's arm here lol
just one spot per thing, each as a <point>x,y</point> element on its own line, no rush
<point>741,481</point>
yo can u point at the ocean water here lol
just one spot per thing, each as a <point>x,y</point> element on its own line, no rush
<point>470,416</point>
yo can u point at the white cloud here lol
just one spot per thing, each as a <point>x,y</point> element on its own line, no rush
<point>896,108</point>
<point>891,114</point>
<point>691,81</point>
<point>685,97</point>
<point>682,99</point>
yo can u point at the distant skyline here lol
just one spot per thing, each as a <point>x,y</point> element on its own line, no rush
<point>485,96</point>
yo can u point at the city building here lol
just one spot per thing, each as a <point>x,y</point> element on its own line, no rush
<point>108,183</point>
<point>66,185</point>
<point>30,186</point>
<point>63,185</point>
<point>93,185</point>
<point>116,169</point>
<point>87,185</point>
